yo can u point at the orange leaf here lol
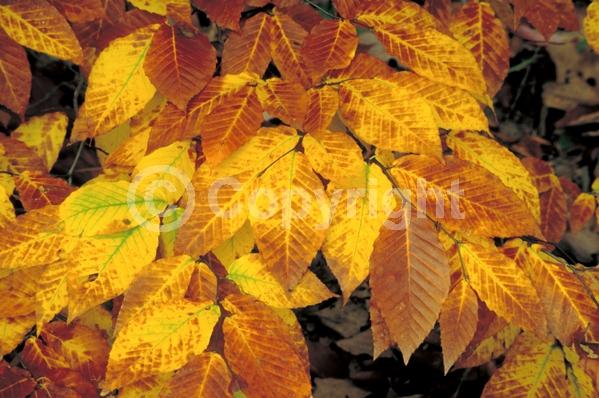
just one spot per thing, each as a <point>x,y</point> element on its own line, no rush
<point>179,66</point>
<point>464,196</point>
<point>458,321</point>
<point>330,45</point>
<point>38,190</point>
<point>477,28</point>
<point>15,75</point>
<point>347,8</point>
<point>226,17</point>
<point>552,198</point>
<point>167,128</point>
<point>582,211</point>
<point>249,49</point>
<point>230,125</point>
<point>80,11</point>
<point>570,311</point>
<point>262,352</point>
<point>285,49</point>
<point>322,107</point>
<point>15,382</point>
<point>20,157</point>
<point>546,15</point>
<point>285,100</point>
<point>409,278</point>
<point>206,376</point>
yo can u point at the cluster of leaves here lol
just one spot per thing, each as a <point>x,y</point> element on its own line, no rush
<point>204,308</point>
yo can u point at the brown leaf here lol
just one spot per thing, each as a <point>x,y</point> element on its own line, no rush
<point>15,75</point>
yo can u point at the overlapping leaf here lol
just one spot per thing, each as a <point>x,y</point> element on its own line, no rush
<point>206,375</point>
<point>249,49</point>
<point>38,25</point>
<point>409,277</point>
<point>285,50</point>
<point>15,75</point>
<point>179,66</point>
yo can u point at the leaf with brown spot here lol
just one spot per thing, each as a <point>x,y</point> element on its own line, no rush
<point>15,75</point>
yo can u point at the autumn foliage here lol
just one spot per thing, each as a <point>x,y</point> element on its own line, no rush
<point>236,156</point>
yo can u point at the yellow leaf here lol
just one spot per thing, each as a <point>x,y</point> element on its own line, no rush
<point>591,25</point>
<point>162,281</point>
<point>249,49</point>
<point>463,196</point>
<point>336,157</point>
<point>458,321</point>
<point>570,311</point>
<point>148,387</point>
<point>38,25</point>
<point>289,212</point>
<point>537,368</point>
<point>98,206</point>
<point>251,275</point>
<point>259,345</point>
<point>503,286</point>
<point>128,154</point>
<point>7,211</point>
<point>206,376</point>
<point>165,173</point>
<point>498,160</point>
<point>239,244</point>
<point>51,295</point>
<point>118,87</point>
<point>13,330</point>
<point>389,117</point>
<point>412,37</point>
<point>453,108</point>
<point>105,265</point>
<point>47,144</point>
<point>160,339</point>
<point>409,277</point>
<point>358,216</point>
<point>35,238</point>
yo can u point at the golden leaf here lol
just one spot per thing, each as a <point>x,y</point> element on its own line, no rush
<point>289,217</point>
<point>249,49</point>
<point>48,144</point>
<point>498,160</point>
<point>478,203</point>
<point>546,15</point>
<point>118,87</point>
<point>285,100</point>
<point>179,66</point>
<point>358,216</point>
<point>476,28</point>
<point>38,25</point>
<point>164,280</point>
<point>330,45</point>
<point>126,156</point>
<point>285,50</point>
<point>453,108</point>
<point>322,107</point>
<point>251,275</point>
<point>258,345</point>
<point>458,321</point>
<point>160,339</point>
<point>502,285</point>
<point>537,368</point>
<point>411,36</point>
<point>389,117</point>
<point>336,157</point>
<point>242,242</point>
<point>107,264</point>
<point>409,277</point>
<point>12,331</point>
<point>168,127</point>
<point>7,211</point>
<point>203,285</point>
<point>571,313</point>
<point>591,25</point>
<point>206,376</point>
<point>15,75</point>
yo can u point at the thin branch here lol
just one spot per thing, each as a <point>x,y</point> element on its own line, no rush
<point>319,8</point>
<point>77,156</point>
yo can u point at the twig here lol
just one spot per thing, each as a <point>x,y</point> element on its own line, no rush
<point>72,168</point>
<point>319,8</point>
